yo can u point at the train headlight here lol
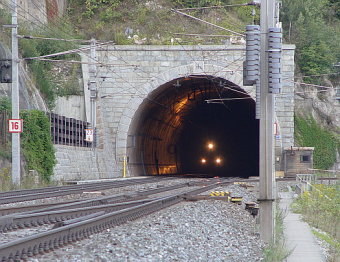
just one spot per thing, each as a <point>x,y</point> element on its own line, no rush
<point>218,160</point>
<point>210,146</point>
<point>203,161</point>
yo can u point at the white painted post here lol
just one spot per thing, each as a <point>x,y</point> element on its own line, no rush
<point>15,97</point>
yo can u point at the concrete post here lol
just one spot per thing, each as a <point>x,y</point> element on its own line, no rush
<point>267,177</point>
<point>93,91</point>
<point>15,97</point>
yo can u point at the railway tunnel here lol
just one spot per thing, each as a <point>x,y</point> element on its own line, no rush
<point>171,131</point>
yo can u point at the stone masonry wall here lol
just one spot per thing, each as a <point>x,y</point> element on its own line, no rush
<point>138,70</point>
<point>130,73</point>
<point>79,163</point>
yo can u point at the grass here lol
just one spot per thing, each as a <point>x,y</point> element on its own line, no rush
<point>26,182</point>
<point>320,208</point>
<point>276,251</point>
<point>334,245</point>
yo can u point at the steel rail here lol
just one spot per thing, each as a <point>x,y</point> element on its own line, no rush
<point>18,209</point>
<point>49,206</point>
<point>119,183</point>
<point>32,194</point>
<point>66,211</point>
<point>55,238</point>
<point>19,221</point>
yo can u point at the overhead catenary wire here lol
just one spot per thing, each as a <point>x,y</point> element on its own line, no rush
<point>42,26</point>
<point>70,61</point>
<point>55,39</point>
<point>216,7</point>
<point>203,35</point>
<point>66,52</point>
<point>200,20</point>
<point>198,65</point>
<point>103,64</point>
<point>206,76</point>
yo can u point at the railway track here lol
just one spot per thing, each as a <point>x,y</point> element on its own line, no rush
<point>74,221</point>
<point>33,194</point>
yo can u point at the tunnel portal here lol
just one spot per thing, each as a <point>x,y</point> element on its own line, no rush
<point>173,127</point>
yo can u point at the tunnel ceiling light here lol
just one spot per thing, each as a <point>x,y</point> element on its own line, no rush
<point>203,160</point>
<point>218,160</point>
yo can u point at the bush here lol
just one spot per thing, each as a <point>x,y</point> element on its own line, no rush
<point>37,143</point>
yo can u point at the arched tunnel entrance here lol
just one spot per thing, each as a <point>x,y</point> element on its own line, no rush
<point>172,128</point>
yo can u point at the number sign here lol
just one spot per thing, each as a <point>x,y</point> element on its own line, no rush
<point>89,135</point>
<point>15,125</point>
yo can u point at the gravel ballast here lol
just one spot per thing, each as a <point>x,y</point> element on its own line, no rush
<point>205,230</point>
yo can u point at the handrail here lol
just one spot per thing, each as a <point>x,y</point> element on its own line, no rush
<point>298,176</point>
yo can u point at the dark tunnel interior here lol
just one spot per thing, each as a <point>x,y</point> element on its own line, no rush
<point>172,129</point>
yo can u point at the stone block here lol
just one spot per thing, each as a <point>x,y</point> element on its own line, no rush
<point>125,120</point>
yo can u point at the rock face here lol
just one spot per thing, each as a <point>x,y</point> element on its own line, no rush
<point>321,103</point>
<point>42,11</point>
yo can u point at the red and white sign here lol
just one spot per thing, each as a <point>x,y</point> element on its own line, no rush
<point>15,125</point>
<point>275,129</point>
<point>89,135</point>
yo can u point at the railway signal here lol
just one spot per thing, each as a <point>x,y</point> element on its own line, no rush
<point>6,70</point>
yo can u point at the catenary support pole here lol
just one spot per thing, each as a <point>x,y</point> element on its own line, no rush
<point>93,91</point>
<point>93,98</point>
<point>15,97</point>
<point>267,177</point>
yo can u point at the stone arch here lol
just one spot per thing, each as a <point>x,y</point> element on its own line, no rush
<point>198,68</point>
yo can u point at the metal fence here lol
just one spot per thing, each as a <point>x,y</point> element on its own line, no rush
<point>68,131</point>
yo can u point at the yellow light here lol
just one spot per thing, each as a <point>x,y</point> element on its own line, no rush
<point>218,160</point>
<point>203,160</point>
<point>210,145</point>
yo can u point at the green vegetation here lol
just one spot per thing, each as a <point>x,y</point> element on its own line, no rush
<point>153,20</point>
<point>320,207</point>
<point>313,26</point>
<point>5,104</point>
<point>310,134</point>
<point>5,112</point>
<point>276,250</point>
<point>37,143</point>
<point>41,70</point>
<point>27,182</point>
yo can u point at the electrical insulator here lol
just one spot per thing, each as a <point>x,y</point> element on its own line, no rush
<point>6,70</point>
<point>275,60</point>
<point>252,63</point>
